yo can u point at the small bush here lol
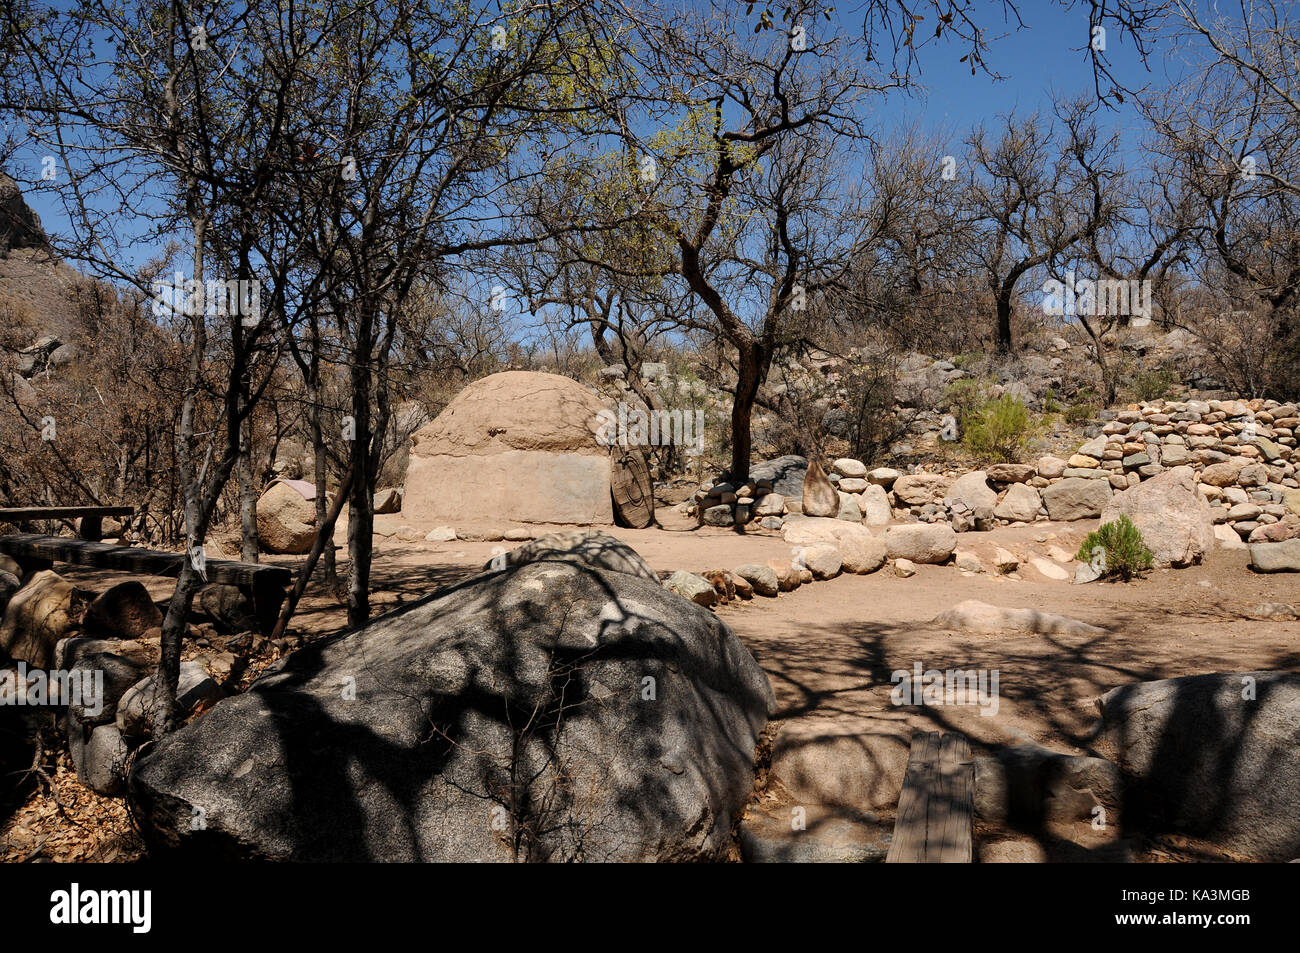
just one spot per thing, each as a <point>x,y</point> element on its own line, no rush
<point>963,397</point>
<point>1116,549</point>
<point>1085,407</point>
<point>998,429</point>
<point>1149,385</point>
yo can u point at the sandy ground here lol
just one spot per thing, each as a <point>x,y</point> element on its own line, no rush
<point>830,647</point>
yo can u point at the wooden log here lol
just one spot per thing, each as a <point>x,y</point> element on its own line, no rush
<point>631,488</point>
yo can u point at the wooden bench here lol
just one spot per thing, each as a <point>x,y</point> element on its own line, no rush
<point>263,585</point>
<point>91,517</point>
<point>936,806</point>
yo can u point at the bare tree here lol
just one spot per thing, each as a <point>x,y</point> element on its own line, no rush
<point>1035,193</point>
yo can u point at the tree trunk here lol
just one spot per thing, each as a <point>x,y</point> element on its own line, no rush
<point>247,495</point>
<point>751,366</point>
<point>1004,324</point>
<point>361,516</point>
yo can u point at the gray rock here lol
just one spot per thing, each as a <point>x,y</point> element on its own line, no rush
<point>917,489</point>
<point>590,548</point>
<point>849,509</point>
<point>762,578</point>
<point>973,489</point>
<point>975,616</point>
<point>228,609</point>
<point>874,502</point>
<point>826,837</point>
<point>786,474</point>
<point>111,675</point>
<point>505,718</point>
<point>1173,518</point>
<point>921,542</point>
<point>1214,756</point>
<point>1011,472</point>
<point>823,560</point>
<point>720,515</point>
<point>1076,499</point>
<point>1020,504</point>
<point>1027,785</point>
<point>99,756</point>
<point>1275,557</point>
<point>694,588</point>
<point>135,708</point>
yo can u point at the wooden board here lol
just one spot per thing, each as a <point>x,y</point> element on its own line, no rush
<point>631,488</point>
<point>936,805</point>
<point>145,562</point>
<point>20,514</point>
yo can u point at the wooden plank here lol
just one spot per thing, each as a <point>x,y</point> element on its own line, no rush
<point>936,805</point>
<point>21,514</point>
<point>145,562</point>
<point>952,804</point>
<point>908,846</point>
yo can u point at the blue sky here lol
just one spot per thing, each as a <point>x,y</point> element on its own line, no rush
<point>1046,54</point>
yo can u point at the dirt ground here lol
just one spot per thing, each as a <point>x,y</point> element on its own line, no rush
<point>830,647</point>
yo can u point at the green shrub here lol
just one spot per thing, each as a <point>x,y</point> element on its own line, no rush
<point>1116,549</point>
<point>1148,385</point>
<point>963,397</point>
<point>998,429</point>
<point>1085,407</point>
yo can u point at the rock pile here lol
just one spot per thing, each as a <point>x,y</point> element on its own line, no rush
<point>1235,455</point>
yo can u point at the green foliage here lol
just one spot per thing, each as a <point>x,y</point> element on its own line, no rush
<point>1116,549</point>
<point>998,429</point>
<point>1148,385</point>
<point>963,398</point>
<point>1085,407</point>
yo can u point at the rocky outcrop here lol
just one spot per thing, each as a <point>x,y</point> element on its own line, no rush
<point>549,712</point>
<point>1214,756</point>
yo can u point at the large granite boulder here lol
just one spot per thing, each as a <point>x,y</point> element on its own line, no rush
<point>786,474</point>
<point>1020,504</point>
<point>553,711</point>
<point>592,548</point>
<point>1216,756</point>
<point>973,489</point>
<point>1172,516</point>
<point>519,446</point>
<point>286,518</point>
<point>921,542</point>
<point>124,611</point>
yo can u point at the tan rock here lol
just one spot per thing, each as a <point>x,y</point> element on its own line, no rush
<point>820,498</point>
<point>286,520</point>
